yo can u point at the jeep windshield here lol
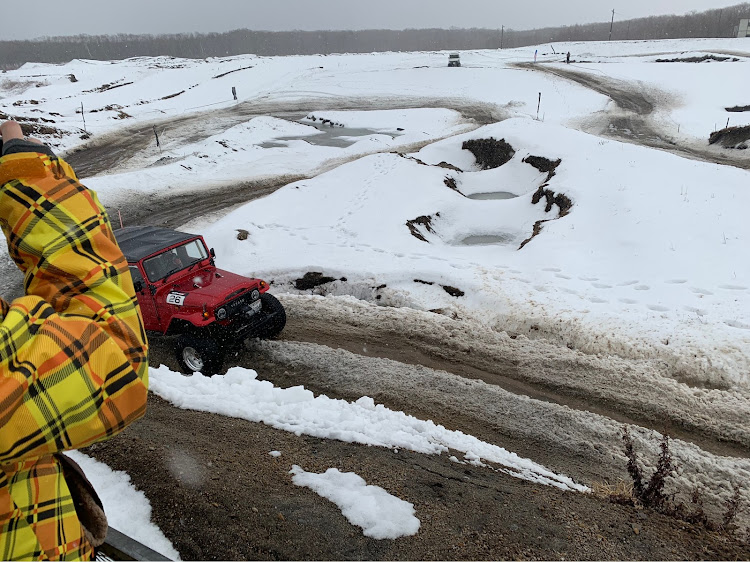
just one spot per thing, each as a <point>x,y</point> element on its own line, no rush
<point>175,259</point>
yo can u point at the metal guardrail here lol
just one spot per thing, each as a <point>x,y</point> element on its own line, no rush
<point>118,546</point>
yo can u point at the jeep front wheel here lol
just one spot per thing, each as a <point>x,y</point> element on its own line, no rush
<point>270,306</point>
<point>199,355</point>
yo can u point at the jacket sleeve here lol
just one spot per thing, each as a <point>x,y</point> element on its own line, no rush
<point>73,351</point>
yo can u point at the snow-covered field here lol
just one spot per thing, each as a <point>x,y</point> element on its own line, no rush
<point>649,262</point>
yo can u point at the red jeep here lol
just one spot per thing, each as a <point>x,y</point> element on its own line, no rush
<point>181,292</point>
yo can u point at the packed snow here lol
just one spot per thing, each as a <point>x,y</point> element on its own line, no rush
<point>240,394</point>
<point>380,514</point>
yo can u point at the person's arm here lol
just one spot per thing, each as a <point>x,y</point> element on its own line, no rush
<point>73,351</point>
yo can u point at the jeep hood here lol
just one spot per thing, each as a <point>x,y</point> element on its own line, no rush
<point>212,287</point>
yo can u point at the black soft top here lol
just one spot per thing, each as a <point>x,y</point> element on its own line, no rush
<point>138,242</point>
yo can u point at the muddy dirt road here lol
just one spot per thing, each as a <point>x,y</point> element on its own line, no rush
<point>110,153</point>
<point>632,122</point>
<point>217,494</point>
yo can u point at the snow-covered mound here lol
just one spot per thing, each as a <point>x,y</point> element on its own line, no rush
<point>645,263</point>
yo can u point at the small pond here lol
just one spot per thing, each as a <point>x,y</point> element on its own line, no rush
<point>338,137</point>
<point>492,195</point>
<point>488,239</point>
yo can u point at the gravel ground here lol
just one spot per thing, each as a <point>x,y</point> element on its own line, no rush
<point>217,493</point>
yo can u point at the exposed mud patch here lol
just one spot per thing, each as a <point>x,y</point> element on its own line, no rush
<point>37,130</point>
<point>19,103</point>
<point>312,279</point>
<point>731,137</point>
<point>453,291</point>
<point>535,231</point>
<point>448,166</point>
<point>451,182</point>
<point>445,165</point>
<point>563,202</point>
<point>489,153</point>
<point>105,87</point>
<point>230,72</point>
<point>544,165</point>
<point>324,121</point>
<point>738,108</point>
<point>423,221</point>
<point>114,107</point>
<point>170,96</point>
<point>704,58</point>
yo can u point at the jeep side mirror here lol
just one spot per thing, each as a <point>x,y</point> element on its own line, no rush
<point>138,286</point>
<point>213,253</point>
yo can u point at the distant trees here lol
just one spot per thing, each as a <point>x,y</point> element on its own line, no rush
<point>711,23</point>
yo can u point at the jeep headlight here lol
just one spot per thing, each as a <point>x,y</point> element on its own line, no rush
<point>221,313</point>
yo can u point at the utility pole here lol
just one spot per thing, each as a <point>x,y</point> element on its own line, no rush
<point>611,24</point>
<point>502,33</point>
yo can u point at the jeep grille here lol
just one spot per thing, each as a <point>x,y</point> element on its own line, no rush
<point>235,306</point>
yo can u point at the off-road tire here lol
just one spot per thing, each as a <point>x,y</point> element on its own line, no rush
<point>199,354</point>
<point>271,304</point>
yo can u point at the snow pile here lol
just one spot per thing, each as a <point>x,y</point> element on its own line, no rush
<point>239,394</point>
<point>266,146</point>
<point>381,515</point>
<point>128,510</point>
<point>647,263</point>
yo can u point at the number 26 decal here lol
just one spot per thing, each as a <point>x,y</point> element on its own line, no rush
<point>176,298</point>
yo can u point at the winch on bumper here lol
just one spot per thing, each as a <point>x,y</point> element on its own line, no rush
<point>250,315</point>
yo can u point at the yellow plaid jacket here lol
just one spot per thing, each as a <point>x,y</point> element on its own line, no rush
<point>73,351</point>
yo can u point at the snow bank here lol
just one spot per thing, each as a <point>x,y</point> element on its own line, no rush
<point>239,394</point>
<point>381,515</point>
<point>646,264</point>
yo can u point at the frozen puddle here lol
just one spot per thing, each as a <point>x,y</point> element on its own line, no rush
<point>492,195</point>
<point>487,239</point>
<point>338,137</point>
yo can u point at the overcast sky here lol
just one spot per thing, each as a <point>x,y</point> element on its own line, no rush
<point>38,18</point>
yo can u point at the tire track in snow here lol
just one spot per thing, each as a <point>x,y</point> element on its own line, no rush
<point>632,122</point>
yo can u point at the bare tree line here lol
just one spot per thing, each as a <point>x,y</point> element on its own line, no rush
<point>711,23</point>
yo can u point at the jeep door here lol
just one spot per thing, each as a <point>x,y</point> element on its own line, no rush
<point>149,311</point>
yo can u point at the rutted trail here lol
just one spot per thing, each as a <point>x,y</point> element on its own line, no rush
<point>632,122</point>
<point>113,151</point>
<point>553,405</point>
<point>640,392</point>
<point>117,151</point>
